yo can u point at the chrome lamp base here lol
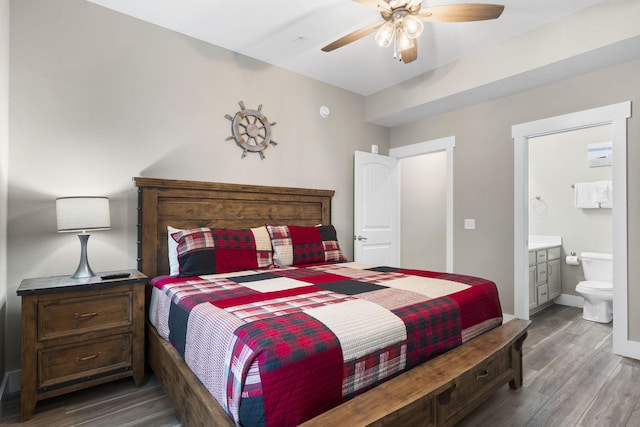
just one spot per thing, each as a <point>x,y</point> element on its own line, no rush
<point>84,270</point>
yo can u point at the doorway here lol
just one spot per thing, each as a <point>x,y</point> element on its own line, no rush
<point>423,220</point>
<point>446,146</point>
<point>616,115</point>
<point>557,162</point>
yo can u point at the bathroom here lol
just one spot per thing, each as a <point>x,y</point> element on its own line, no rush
<point>558,230</point>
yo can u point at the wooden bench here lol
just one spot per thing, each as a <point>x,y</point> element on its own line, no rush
<point>442,391</point>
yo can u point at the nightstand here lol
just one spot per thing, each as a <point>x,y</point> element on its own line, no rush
<point>77,333</point>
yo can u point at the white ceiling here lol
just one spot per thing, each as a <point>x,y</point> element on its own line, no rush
<point>290,34</point>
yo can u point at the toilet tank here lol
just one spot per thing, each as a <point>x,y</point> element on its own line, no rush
<point>597,266</point>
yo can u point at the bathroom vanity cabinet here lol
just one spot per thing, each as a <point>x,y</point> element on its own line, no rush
<point>544,277</point>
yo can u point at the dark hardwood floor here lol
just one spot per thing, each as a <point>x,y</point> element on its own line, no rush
<point>119,403</point>
<point>571,378</point>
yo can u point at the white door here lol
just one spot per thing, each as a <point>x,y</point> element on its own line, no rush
<point>376,207</point>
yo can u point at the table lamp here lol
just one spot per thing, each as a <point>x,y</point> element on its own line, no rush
<point>83,214</point>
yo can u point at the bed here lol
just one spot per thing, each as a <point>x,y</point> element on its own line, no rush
<point>465,367</point>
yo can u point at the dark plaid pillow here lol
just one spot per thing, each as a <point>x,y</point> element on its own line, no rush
<point>218,250</point>
<point>294,245</point>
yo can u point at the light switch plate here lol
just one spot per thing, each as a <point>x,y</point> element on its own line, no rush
<point>469,224</point>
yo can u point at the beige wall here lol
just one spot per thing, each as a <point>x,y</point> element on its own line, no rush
<point>423,237</point>
<point>483,175</point>
<point>555,163</point>
<point>4,168</point>
<point>98,98</point>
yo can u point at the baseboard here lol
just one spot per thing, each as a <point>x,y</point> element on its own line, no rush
<point>570,300</point>
<point>506,317</point>
<point>10,386</point>
<point>633,350</point>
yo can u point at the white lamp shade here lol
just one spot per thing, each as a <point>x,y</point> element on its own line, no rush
<point>384,35</point>
<point>83,213</point>
<point>412,26</point>
<point>404,41</point>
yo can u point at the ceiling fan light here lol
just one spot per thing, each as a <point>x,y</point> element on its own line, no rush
<point>403,40</point>
<point>412,26</point>
<point>385,34</point>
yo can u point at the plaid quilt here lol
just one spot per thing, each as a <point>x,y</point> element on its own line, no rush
<point>277,347</point>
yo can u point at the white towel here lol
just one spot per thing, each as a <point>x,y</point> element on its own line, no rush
<point>593,195</point>
<point>585,196</point>
<point>604,193</point>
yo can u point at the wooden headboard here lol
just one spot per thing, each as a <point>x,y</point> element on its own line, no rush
<point>191,204</point>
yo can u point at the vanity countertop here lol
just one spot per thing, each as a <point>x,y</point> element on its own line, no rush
<point>537,242</point>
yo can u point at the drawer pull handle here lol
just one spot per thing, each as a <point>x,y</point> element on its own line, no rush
<point>482,375</point>
<point>85,358</point>
<point>85,315</point>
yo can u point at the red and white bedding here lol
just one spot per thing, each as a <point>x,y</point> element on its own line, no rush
<point>279,346</point>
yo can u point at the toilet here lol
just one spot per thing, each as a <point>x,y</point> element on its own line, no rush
<point>597,288</point>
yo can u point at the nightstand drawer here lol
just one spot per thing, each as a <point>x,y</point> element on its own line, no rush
<point>64,317</point>
<point>68,363</point>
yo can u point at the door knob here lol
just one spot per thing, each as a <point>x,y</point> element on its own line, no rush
<point>361,238</point>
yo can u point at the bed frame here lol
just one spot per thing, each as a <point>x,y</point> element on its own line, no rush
<point>438,393</point>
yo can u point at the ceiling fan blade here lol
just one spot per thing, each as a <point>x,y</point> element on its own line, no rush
<point>411,54</point>
<point>351,37</point>
<point>379,5</point>
<point>461,12</point>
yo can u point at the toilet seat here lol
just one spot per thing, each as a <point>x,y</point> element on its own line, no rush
<point>595,287</point>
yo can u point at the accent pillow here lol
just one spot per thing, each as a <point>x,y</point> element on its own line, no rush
<point>172,249</point>
<point>295,245</point>
<point>219,250</point>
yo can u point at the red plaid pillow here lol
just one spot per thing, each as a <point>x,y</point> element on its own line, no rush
<point>218,250</point>
<point>294,245</point>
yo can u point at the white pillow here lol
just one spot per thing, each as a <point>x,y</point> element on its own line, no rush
<point>172,247</point>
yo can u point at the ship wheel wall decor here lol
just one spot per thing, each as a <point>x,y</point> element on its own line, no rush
<point>251,130</point>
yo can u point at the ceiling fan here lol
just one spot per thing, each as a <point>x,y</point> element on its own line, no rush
<point>403,23</point>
